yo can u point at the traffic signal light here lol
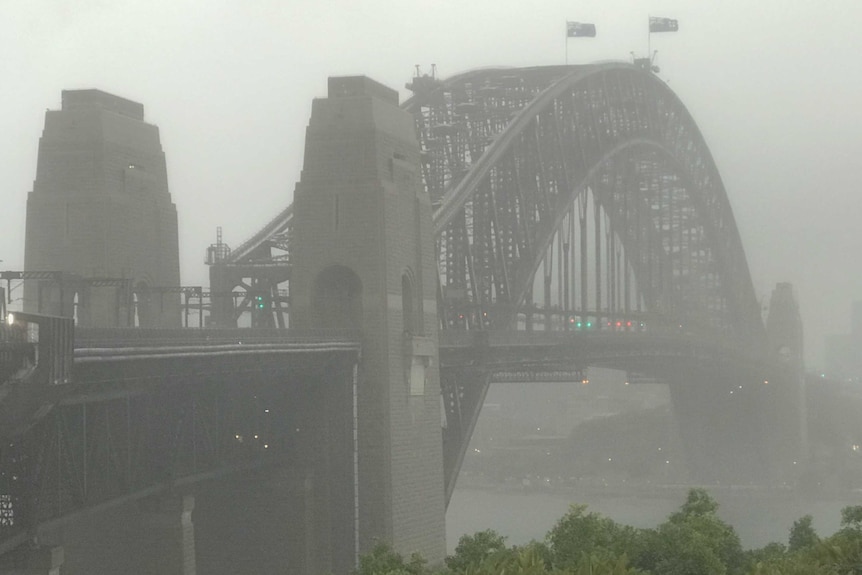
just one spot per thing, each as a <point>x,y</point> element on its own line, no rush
<point>258,302</point>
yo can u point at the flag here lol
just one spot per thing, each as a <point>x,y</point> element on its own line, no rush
<point>662,25</point>
<point>580,30</point>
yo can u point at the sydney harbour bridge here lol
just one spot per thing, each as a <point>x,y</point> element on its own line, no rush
<point>516,224</point>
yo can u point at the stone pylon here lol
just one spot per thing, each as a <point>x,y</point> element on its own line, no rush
<point>362,258</point>
<point>100,208</point>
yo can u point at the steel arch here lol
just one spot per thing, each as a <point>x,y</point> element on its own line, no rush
<point>513,156</point>
<point>521,163</point>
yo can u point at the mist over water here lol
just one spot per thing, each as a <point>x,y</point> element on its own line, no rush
<point>615,447</point>
<point>524,516</point>
<point>779,115</point>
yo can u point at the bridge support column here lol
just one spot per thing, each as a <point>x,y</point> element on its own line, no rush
<point>122,226</point>
<point>748,424</point>
<point>168,523</point>
<point>36,560</point>
<point>789,421</point>
<point>724,421</point>
<point>362,257</point>
<point>45,560</point>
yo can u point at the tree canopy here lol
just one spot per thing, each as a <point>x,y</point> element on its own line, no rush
<point>692,541</point>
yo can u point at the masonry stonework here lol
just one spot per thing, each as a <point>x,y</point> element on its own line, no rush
<point>100,208</point>
<point>362,257</point>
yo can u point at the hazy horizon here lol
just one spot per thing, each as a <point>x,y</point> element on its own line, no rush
<point>773,87</point>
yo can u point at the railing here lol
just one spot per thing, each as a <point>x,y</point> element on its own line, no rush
<point>512,347</point>
<point>141,337</point>
<point>464,316</point>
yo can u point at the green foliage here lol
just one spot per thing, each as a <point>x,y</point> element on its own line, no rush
<point>528,560</point>
<point>693,541</point>
<point>840,554</point>
<point>771,552</point>
<point>851,517</point>
<point>382,560</point>
<point>802,534</point>
<point>698,503</point>
<point>472,550</point>
<point>591,565</point>
<point>533,560</point>
<point>578,534</point>
<point>679,549</point>
<point>790,566</point>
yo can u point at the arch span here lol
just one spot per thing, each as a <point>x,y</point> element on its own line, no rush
<point>582,190</point>
<point>565,197</point>
<point>593,179</point>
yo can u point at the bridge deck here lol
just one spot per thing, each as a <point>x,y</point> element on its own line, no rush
<point>505,348</point>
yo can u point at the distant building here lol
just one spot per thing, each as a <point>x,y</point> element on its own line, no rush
<point>100,208</point>
<point>844,352</point>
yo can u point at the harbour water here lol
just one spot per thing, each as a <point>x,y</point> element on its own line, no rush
<point>527,434</point>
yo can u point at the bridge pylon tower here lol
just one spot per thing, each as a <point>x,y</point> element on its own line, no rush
<point>362,257</point>
<point>100,208</point>
<point>784,337</point>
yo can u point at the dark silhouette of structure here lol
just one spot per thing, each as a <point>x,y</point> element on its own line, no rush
<point>364,260</point>
<point>100,210</point>
<point>844,352</point>
<point>502,224</point>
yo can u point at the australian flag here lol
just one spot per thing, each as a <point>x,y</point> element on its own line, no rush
<point>580,30</point>
<point>662,25</point>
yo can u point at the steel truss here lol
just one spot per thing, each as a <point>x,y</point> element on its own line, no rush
<point>561,194</point>
<point>73,293</point>
<point>573,198</point>
<point>577,194</point>
<point>565,198</point>
<point>253,278</point>
<point>134,428</point>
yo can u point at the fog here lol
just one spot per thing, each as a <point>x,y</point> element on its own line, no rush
<point>773,85</point>
<point>757,520</point>
<point>619,449</point>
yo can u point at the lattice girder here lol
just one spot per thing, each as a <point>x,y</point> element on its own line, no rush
<point>661,226</point>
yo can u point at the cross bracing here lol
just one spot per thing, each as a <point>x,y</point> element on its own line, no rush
<point>597,196</point>
<point>587,192</point>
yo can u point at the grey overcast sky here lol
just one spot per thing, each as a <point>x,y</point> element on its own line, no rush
<point>774,85</point>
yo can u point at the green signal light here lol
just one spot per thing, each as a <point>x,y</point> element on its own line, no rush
<point>579,325</point>
<point>589,324</point>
